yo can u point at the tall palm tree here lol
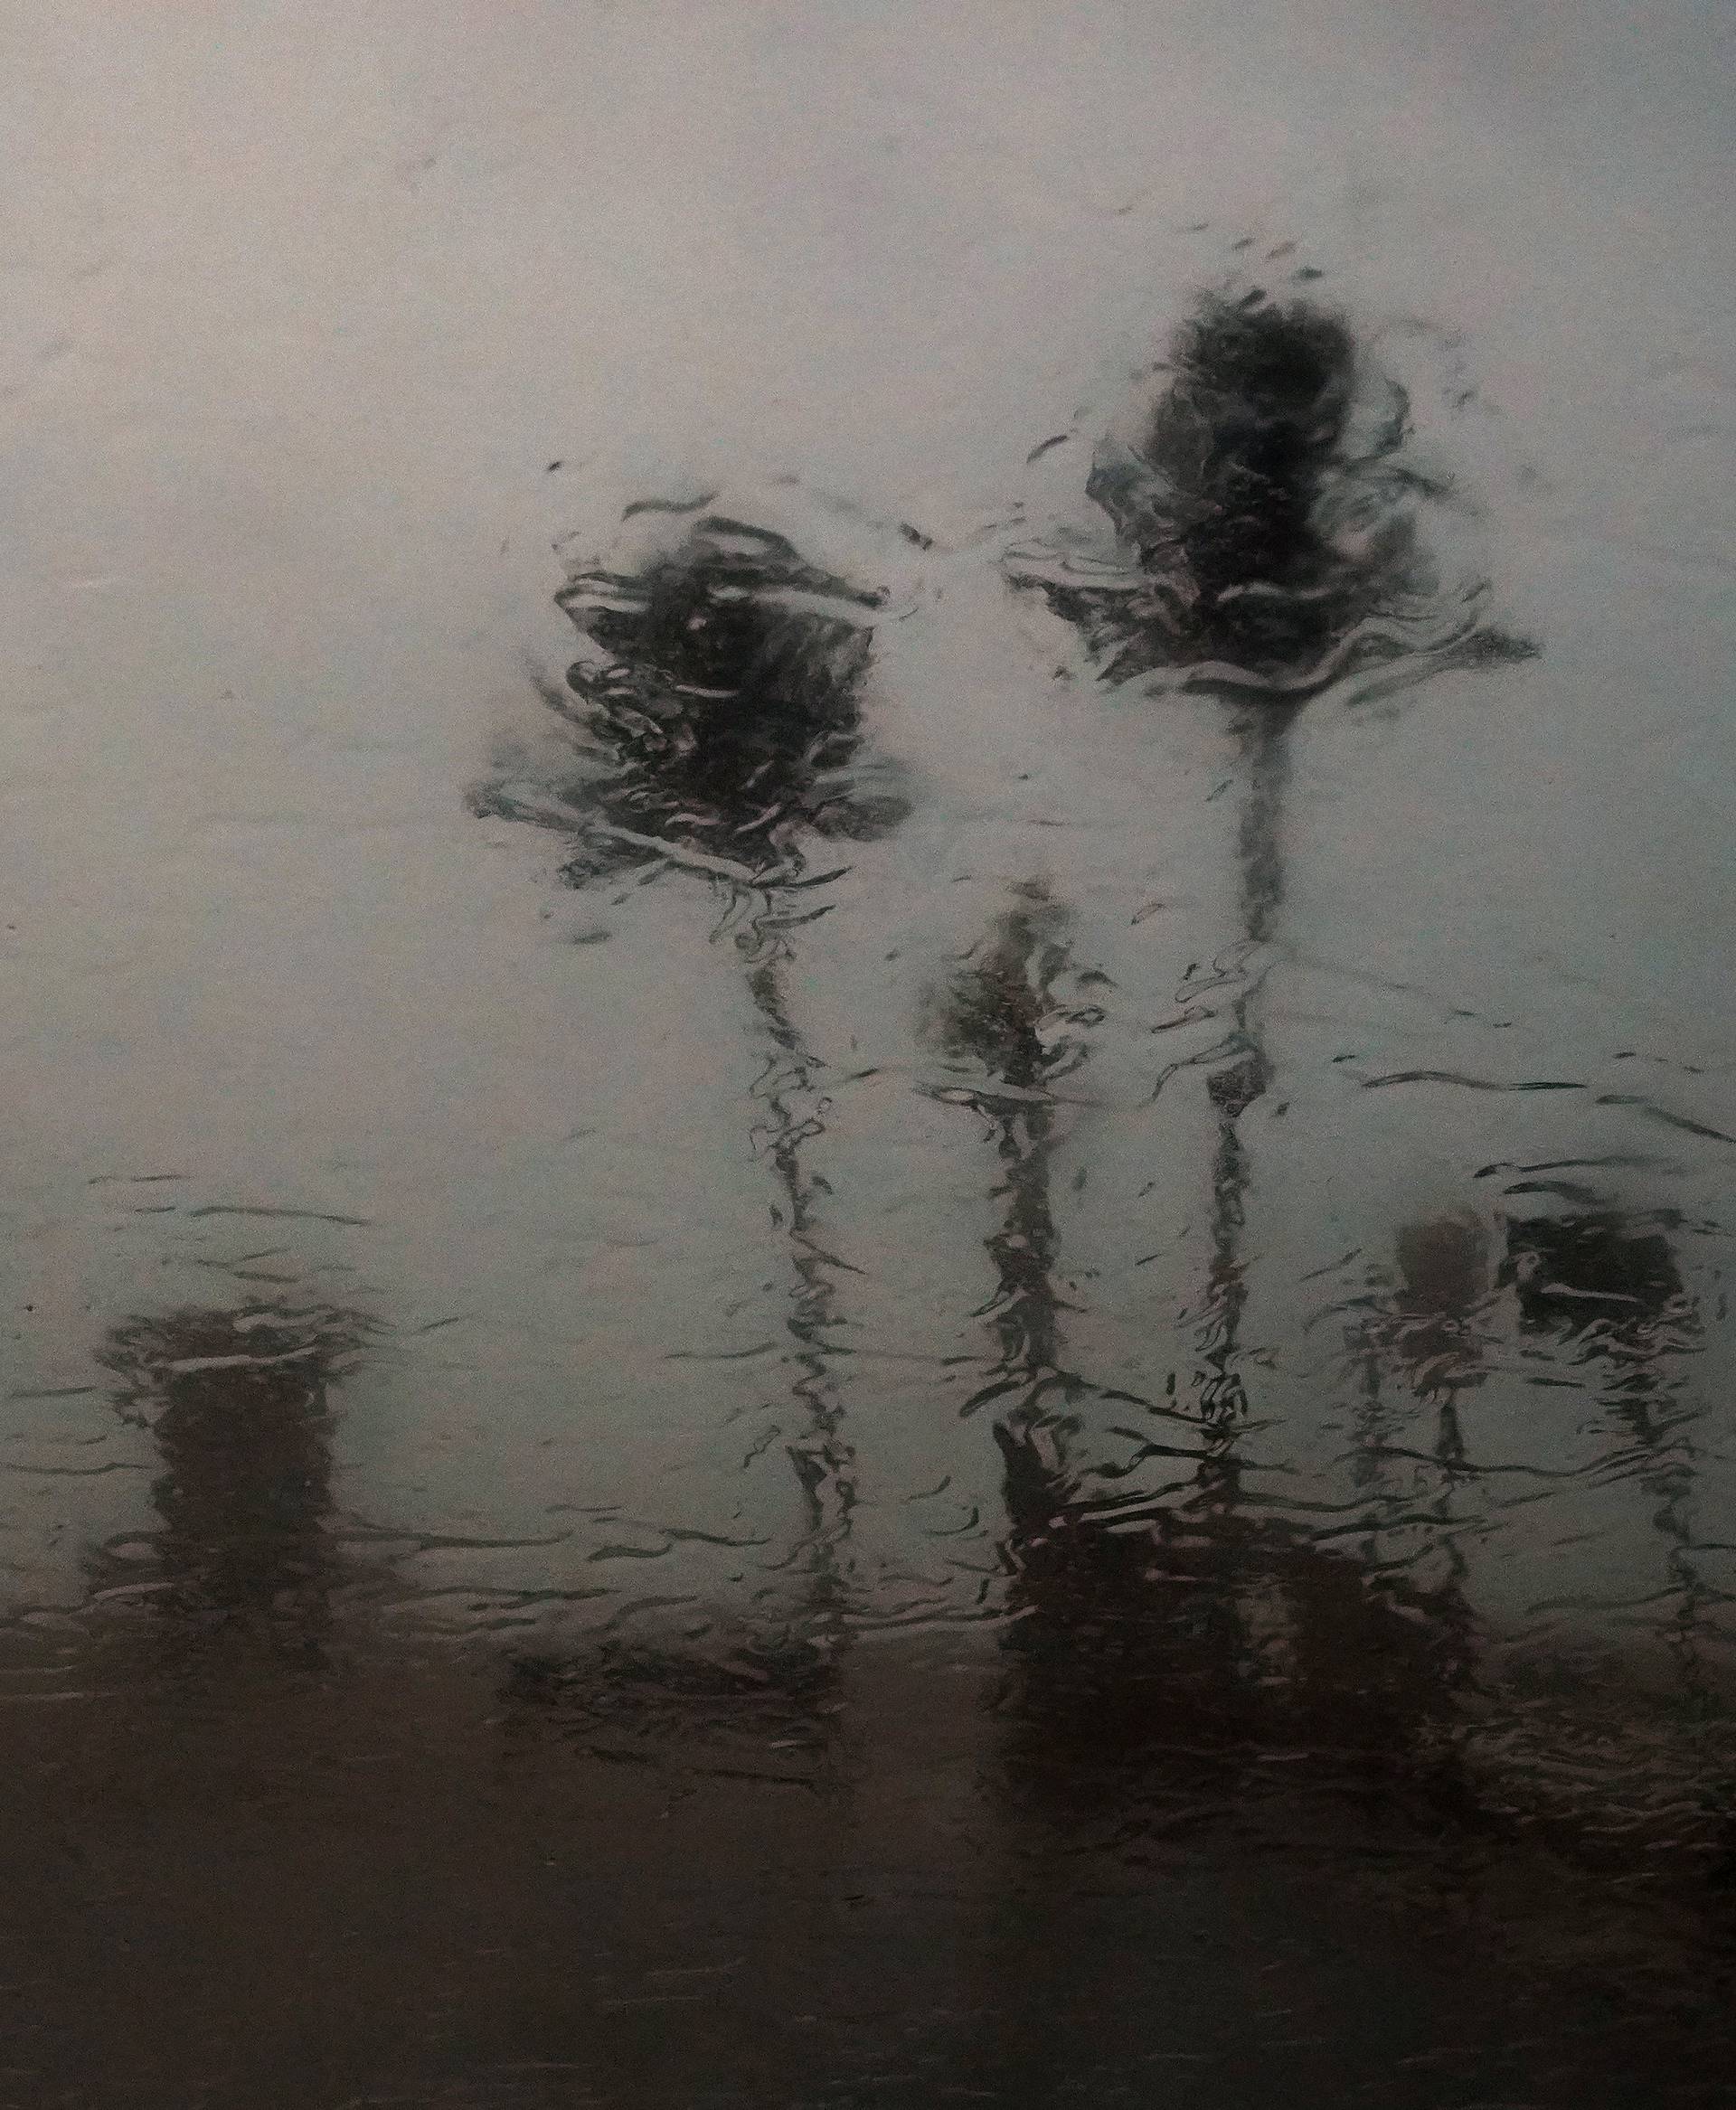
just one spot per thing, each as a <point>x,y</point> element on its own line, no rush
<point>716,723</point>
<point>1266,549</point>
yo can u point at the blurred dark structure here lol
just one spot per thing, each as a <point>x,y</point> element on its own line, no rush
<point>1606,1290</point>
<point>238,1403</point>
<point>1595,1273</point>
<point>1444,1279</point>
<point>1173,1653</point>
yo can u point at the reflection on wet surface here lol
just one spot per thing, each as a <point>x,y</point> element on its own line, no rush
<point>951,1355</point>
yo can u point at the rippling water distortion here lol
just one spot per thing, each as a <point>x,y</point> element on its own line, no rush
<point>870,1105</point>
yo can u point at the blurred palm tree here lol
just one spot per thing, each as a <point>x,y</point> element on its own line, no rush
<point>1266,547</point>
<point>716,731</point>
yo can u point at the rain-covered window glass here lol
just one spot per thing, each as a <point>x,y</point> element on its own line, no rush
<point>869,1123</point>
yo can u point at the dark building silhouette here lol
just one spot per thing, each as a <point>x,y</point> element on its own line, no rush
<point>1607,1289</point>
<point>239,1403</point>
<point>1595,1269</point>
<point>1443,1270</point>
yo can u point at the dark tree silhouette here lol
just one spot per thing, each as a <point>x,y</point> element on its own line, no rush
<point>1269,517</point>
<point>716,718</point>
<point>716,725</point>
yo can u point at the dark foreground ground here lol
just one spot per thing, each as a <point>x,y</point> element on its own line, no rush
<point>887,1879</point>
